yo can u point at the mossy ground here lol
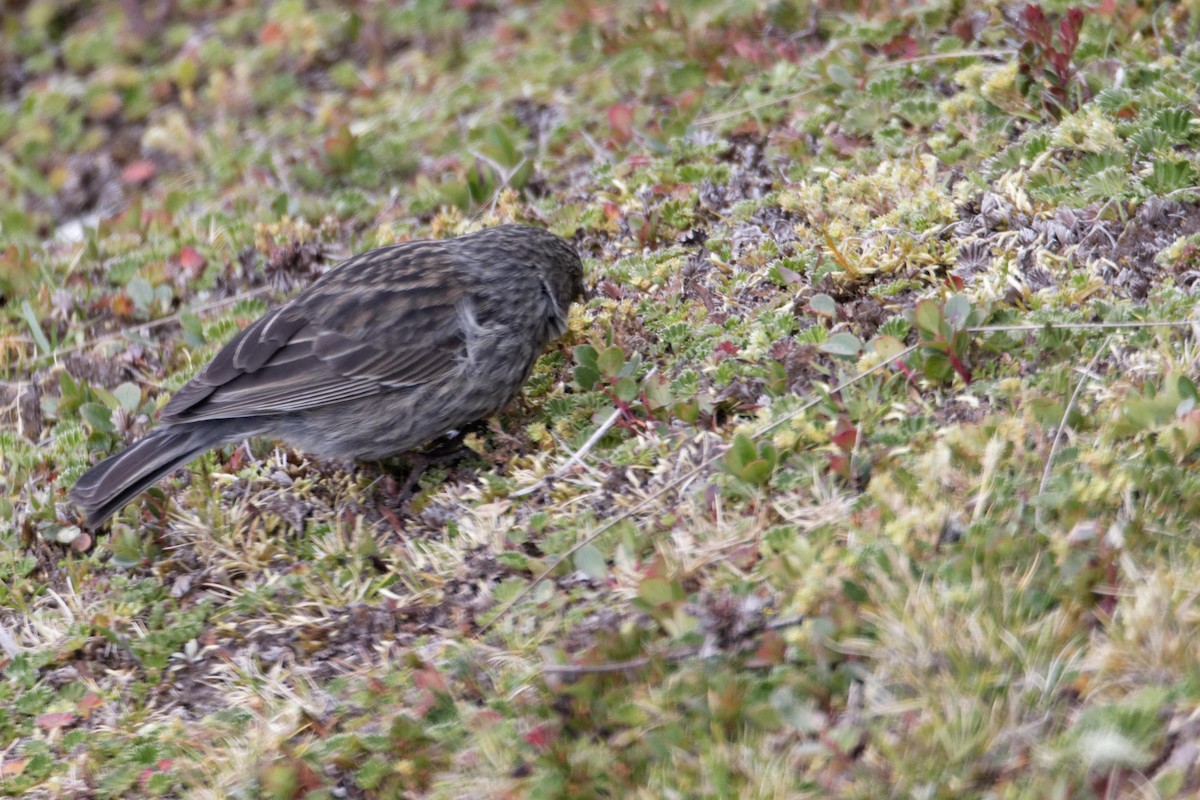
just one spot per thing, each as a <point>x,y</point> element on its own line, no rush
<point>971,572</point>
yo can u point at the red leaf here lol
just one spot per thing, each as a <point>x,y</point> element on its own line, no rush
<point>271,33</point>
<point>55,719</point>
<point>121,305</point>
<point>429,678</point>
<point>728,348</point>
<point>620,119</point>
<point>87,704</point>
<point>140,171</point>
<point>770,652</point>
<point>844,435</point>
<point>192,262</point>
<point>840,465</point>
<point>903,46</point>
<point>541,736</point>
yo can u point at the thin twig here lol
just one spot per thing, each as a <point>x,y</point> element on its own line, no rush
<point>602,669</point>
<point>582,451</point>
<point>1077,326</point>
<point>1062,423</point>
<point>575,457</point>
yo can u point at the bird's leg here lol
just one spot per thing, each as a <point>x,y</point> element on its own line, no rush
<point>445,451</point>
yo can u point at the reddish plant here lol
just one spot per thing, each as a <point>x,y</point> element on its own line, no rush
<point>1046,74</point>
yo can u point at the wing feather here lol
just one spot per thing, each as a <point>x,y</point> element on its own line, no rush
<point>340,340</point>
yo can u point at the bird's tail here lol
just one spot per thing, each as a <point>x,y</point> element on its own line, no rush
<point>105,488</point>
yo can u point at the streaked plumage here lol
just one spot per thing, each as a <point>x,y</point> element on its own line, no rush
<point>384,352</point>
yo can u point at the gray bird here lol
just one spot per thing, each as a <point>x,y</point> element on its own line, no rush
<point>384,352</point>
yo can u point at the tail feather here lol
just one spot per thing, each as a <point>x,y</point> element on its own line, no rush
<point>105,488</point>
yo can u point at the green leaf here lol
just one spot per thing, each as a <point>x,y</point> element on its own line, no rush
<point>928,317</point>
<point>35,329</point>
<point>843,345</point>
<point>128,396</point>
<point>610,361</point>
<point>937,367</point>
<point>193,329</point>
<point>888,347</point>
<point>106,397</point>
<point>757,472</point>
<point>1187,389</point>
<point>824,305</point>
<point>591,562</point>
<point>140,292</point>
<point>687,411</point>
<point>741,452</point>
<point>98,416</point>
<point>842,77</point>
<point>631,366</point>
<point>658,391</point>
<point>585,356</point>
<point>769,453</point>
<point>855,591</point>
<point>656,591</point>
<point>586,377</point>
<point>627,389</point>
<point>958,310</point>
<point>513,560</point>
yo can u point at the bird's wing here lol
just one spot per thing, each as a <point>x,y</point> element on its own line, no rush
<point>389,324</point>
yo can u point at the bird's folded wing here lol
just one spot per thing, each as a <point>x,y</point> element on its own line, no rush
<point>318,353</point>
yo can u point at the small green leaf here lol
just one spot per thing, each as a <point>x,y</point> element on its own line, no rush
<point>888,347</point>
<point>688,411</point>
<point>35,329</point>
<point>958,310</point>
<point>631,366</point>
<point>590,561</point>
<point>937,367</point>
<point>843,345</point>
<point>656,591</point>
<point>106,397</point>
<point>585,355</point>
<point>928,317</point>
<point>1187,389</point>
<point>513,560</point>
<point>842,77</point>
<point>855,591</point>
<point>626,390</point>
<point>610,361</point>
<point>586,377</point>
<point>140,292</point>
<point>741,452</point>
<point>824,305</point>
<point>757,472</point>
<point>658,391</point>
<point>128,396</point>
<point>769,453</point>
<point>193,329</point>
<point>98,416</point>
